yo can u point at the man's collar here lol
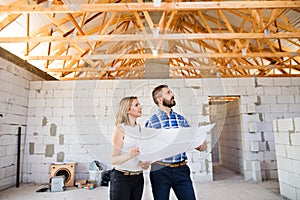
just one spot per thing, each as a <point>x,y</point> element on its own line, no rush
<point>163,112</point>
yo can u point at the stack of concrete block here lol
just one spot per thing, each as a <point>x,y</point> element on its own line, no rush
<point>287,143</point>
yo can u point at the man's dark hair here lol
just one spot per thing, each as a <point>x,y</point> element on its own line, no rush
<point>156,92</point>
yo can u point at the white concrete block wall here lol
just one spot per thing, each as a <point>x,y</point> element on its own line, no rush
<point>262,101</point>
<point>273,100</point>
<point>288,156</point>
<point>83,115</point>
<point>14,92</point>
<point>79,110</point>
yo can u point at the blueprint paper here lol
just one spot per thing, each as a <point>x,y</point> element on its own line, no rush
<point>157,144</point>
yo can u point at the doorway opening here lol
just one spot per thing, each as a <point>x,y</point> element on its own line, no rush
<point>226,136</point>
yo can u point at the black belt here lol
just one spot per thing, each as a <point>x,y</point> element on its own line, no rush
<point>171,164</point>
<point>129,173</point>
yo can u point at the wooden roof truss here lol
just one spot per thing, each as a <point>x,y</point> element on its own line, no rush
<point>85,39</point>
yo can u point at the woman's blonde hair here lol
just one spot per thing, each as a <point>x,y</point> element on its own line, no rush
<point>122,113</point>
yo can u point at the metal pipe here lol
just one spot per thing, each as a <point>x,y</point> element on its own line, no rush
<point>18,158</point>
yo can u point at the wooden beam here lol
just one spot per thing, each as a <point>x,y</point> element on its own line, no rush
<point>182,76</point>
<point>24,64</point>
<point>147,37</point>
<point>125,7</point>
<point>186,67</point>
<point>167,55</point>
<point>8,20</point>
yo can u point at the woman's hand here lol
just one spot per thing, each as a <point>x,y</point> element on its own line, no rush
<point>144,165</point>
<point>133,153</point>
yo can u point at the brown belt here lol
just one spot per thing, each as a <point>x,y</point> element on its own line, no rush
<point>129,173</point>
<point>171,164</point>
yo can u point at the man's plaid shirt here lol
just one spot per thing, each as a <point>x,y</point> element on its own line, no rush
<point>161,120</point>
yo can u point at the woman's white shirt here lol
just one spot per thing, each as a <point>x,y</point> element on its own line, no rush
<point>131,136</point>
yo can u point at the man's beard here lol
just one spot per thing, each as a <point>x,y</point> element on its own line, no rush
<point>169,103</point>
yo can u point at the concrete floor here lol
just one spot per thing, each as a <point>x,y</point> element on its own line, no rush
<point>227,185</point>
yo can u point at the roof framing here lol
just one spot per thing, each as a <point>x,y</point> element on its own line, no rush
<point>101,40</point>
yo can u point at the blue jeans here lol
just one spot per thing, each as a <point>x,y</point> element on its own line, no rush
<point>124,187</point>
<point>178,178</point>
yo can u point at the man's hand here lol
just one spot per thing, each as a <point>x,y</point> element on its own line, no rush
<point>202,147</point>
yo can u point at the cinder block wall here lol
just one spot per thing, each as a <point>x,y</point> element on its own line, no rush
<point>266,100</point>
<point>72,121</point>
<point>261,101</point>
<point>287,143</point>
<point>14,89</point>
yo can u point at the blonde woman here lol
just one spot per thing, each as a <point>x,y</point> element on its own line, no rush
<point>127,181</point>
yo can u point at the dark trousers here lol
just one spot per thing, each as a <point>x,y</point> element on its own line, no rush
<point>126,187</point>
<point>178,178</point>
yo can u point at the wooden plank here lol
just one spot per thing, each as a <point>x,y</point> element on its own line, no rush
<point>27,33</point>
<point>125,7</point>
<point>167,55</point>
<point>145,37</point>
<point>8,20</point>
